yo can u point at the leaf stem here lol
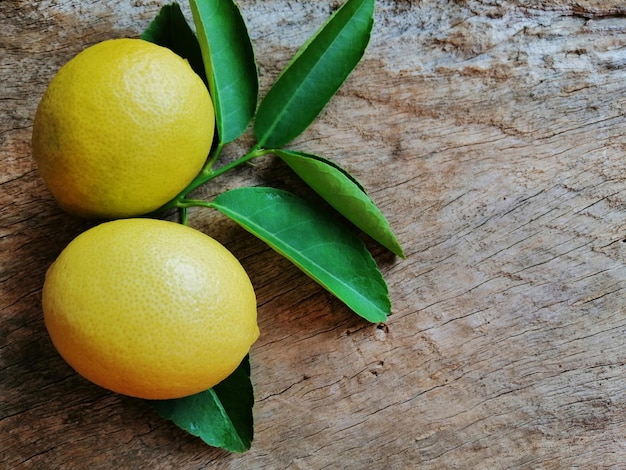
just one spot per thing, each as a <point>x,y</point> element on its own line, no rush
<point>254,153</point>
<point>208,174</point>
<point>213,158</point>
<point>182,215</point>
<point>186,203</point>
<point>205,174</point>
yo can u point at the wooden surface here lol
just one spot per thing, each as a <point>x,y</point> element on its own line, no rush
<point>492,135</point>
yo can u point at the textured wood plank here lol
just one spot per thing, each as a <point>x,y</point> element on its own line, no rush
<point>491,135</point>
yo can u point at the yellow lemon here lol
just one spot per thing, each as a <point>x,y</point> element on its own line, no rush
<point>122,128</point>
<point>150,308</point>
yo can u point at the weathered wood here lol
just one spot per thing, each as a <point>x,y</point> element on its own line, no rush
<point>492,134</point>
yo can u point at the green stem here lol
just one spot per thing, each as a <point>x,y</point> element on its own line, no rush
<point>182,215</point>
<point>186,203</point>
<point>218,150</point>
<point>254,153</point>
<point>204,175</point>
<point>208,174</point>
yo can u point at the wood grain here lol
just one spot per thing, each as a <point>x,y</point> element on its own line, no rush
<point>492,135</point>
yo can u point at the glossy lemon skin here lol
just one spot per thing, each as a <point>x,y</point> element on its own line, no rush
<point>150,308</point>
<point>122,128</point>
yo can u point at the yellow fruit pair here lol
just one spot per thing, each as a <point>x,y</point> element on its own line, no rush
<point>143,307</point>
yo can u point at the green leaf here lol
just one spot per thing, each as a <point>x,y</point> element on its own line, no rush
<point>220,416</point>
<point>170,29</point>
<point>314,75</point>
<point>230,64</point>
<point>344,193</point>
<point>313,240</point>
<point>294,155</point>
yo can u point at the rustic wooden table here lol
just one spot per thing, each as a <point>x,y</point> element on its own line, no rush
<point>492,135</point>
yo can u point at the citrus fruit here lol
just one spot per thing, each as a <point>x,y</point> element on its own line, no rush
<point>122,128</point>
<point>149,308</point>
